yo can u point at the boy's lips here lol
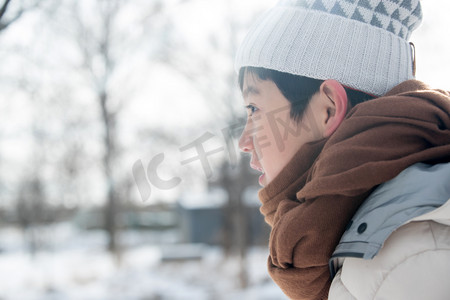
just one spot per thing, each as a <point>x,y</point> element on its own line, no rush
<point>260,169</point>
<point>261,179</point>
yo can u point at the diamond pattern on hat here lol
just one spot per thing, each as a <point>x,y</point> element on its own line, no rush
<point>318,5</point>
<point>381,9</point>
<point>329,4</point>
<point>390,7</point>
<point>365,4</point>
<point>366,13</point>
<point>414,22</point>
<point>397,26</point>
<point>357,16</point>
<point>417,12</point>
<point>376,22</point>
<point>404,13</point>
<point>374,3</point>
<point>395,15</point>
<point>391,28</point>
<point>407,5</point>
<point>391,15</point>
<point>337,10</point>
<point>406,21</point>
<point>384,20</point>
<point>348,8</point>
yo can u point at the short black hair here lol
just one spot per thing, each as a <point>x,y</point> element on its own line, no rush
<point>298,90</point>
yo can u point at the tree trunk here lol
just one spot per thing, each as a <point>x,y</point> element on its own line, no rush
<point>111,209</point>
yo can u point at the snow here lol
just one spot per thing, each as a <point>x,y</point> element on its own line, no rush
<point>74,265</point>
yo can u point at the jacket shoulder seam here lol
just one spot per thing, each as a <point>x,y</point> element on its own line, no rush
<point>432,234</point>
<point>345,287</point>
<point>400,263</point>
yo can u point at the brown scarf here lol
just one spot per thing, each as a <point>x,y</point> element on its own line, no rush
<point>309,204</point>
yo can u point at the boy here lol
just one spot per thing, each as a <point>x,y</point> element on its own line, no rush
<point>356,129</point>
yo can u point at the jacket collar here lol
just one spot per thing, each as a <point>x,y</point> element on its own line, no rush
<point>420,192</point>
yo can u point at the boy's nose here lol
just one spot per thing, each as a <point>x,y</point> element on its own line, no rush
<point>246,141</point>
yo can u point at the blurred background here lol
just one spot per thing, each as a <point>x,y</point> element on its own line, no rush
<point>120,176</point>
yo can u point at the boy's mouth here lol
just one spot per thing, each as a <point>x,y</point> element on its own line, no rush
<point>261,178</point>
<point>259,169</point>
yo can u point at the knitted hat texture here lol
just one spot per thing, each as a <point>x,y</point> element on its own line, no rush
<point>363,44</point>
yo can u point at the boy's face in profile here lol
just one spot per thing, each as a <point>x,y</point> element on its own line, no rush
<point>270,135</point>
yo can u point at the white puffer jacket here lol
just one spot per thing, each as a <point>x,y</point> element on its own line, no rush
<point>407,261</point>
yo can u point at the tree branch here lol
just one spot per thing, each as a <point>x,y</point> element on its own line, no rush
<point>4,25</point>
<point>4,8</point>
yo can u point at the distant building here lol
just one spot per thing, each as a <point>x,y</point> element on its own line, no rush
<point>202,218</point>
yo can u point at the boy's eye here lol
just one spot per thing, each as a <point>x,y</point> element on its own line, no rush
<point>252,109</point>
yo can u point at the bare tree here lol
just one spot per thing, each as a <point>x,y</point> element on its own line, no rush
<point>10,14</point>
<point>99,64</point>
<point>33,212</point>
<point>32,205</point>
<point>221,91</point>
<point>103,48</point>
<point>30,210</point>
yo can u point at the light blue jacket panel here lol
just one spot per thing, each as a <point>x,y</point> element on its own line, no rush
<point>417,190</point>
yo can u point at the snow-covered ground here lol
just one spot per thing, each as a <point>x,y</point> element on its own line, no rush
<point>74,265</point>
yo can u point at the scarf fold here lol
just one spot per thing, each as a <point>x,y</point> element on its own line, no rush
<point>309,204</point>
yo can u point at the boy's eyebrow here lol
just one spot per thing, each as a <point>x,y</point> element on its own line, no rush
<point>250,90</point>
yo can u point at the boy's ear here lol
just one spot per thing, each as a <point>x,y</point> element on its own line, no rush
<point>336,104</point>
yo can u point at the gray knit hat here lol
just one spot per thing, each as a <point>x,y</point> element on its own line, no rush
<point>363,44</point>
